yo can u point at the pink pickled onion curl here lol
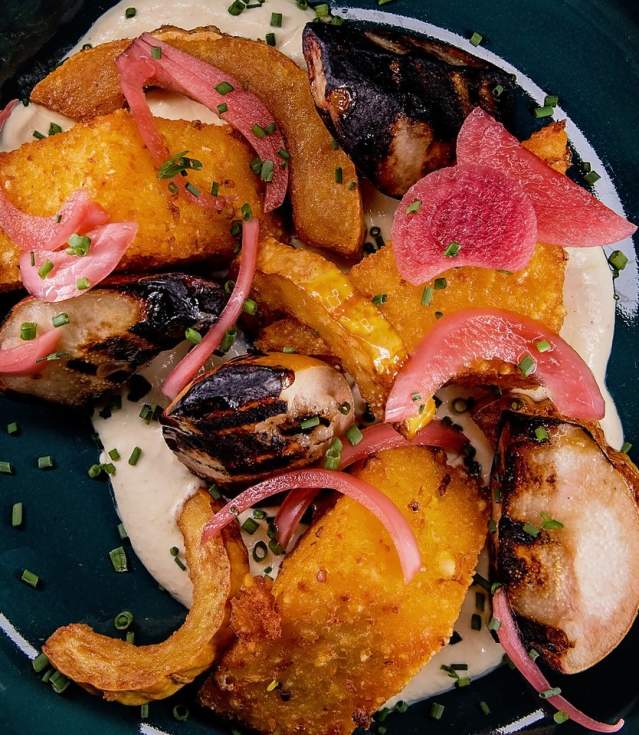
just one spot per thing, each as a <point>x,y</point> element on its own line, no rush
<point>186,369</point>
<point>72,275</point>
<point>511,642</point>
<point>458,340</point>
<point>368,496</point>
<point>23,359</point>
<point>180,72</point>
<point>5,112</point>
<point>374,439</point>
<point>32,232</point>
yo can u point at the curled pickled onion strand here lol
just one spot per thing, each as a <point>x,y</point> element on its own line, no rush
<point>72,275</point>
<point>459,339</point>
<point>368,496</point>
<point>511,642</point>
<point>23,359</point>
<point>31,232</point>
<point>180,72</point>
<point>185,370</point>
<point>374,439</point>
<point>6,111</point>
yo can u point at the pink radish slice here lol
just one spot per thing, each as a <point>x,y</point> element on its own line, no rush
<point>566,213</point>
<point>463,215</point>
<point>23,359</point>
<point>72,275</point>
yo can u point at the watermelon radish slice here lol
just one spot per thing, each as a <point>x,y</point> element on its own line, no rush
<point>463,215</point>
<point>567,214</point>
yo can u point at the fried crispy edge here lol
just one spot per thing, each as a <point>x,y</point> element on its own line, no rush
<point>133,675</point>
<point>86,85</point>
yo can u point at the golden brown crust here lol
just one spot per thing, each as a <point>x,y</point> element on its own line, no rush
<point>325,213</point>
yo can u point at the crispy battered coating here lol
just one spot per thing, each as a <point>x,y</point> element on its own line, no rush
<point>107,158</point>
<point>351,633</point>
<point>326,213</point>
<point>551,144</point>
<point>130,674</point>
<point>289,334</point>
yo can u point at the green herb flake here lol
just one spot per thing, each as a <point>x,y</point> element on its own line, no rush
<point>626,447</point>
<point>550,524</point>
<point>276,20</point>
<point>452,250</point>
<point>17,514</point>
<point>560,717</point>
<point>82,284</point>
<point>483,706</point>
<point>592,177</point>
<point>59,320</point>
<point>45,269</point>
<point>551,100</point>
<point>414,206</point>
<point>545,111</point>
<point>13,428</point>
<point>40,663</point>
<point>270,39</point>
<point>541,434</point>
<point>28,330</point>
<point>531,530</point>
<point>380,298</point>
<point>476,38</point>
<point>192,335</point>
<point>339,175</point>
<point>30,578</point>
<point>427,296</point>
<point>222,108</point>
<point>135,456</point>
<point>250,526</point>
<point>436,710</point>
<point>548,693</point>
<point>156,52</point>
<point>354,435</point>
<point>617,260</point>
<point>45,462</point>
<point>527,365</point>
<point>309,423</point>
<point>130,13</point>
<point>543,345</point>
<point>224,88</point>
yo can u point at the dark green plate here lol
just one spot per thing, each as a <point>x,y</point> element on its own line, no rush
<point>587,51</point>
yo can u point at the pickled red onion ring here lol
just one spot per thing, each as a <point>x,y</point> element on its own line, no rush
<point>509,638</point>
<point>370,497</point>
<point>23,359</point>
<point>6,111</point>
<point>185,370</point>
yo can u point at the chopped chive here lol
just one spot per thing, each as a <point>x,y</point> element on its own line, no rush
<point>38,135</point>
<point>192,189</point>
<point>531,530</point>
<point>276,20</point>
<point>333,455</point>
<point>78,245</point>
<point>59,320</point>
<point>146,413</point>
<point>259,514</point>
<point>130,13</point>
<point>548,693</point>
<point>173,188</point>
<point>246,210</point>
<point>118,559</point>
<point>352,186</point>
<point>545,111</point>
<point>284,154</point>
<point>224,88</point>
<point>45,269</point>
<point>270,39</point>
<point>354,435</point>
<point>339,175</point>
<point>28,330</point>
<point>527,365</point>
<point>144,711</point>
<point>260,551</point>
<point>322,10</point>
<point>551,100</point>
<point>40,663</point>
<point>440,283</point>
<point>459,405</point>
<point>135,456</point>
<point>266,171</point>
<point>130,635</point>
<point>437,710</point>
<point>250,526</point>
<point>592,177</point>
<point>309,423</point>
<point>45,462</point>
<point>618,260</point>
<point>256,166</point>
<point>480,601</point>
<point>258,131</point>
<point>122,531</point>
<point>214,491</point>
<point>54,129</point>
<point>427,296</point>
<point>192,335</point>
<point>181,712</point>
<point>13,428</point>
<point>16,515</point>
<point>475,621</point>
<point>463,681</point>
<point>476,38</point>
<point>541,434</point>
<point>123,620</point>
<point>273,685</point>
<point>533,655</point>
<point>494,624</point>
<point>380,298</point>
<point>626,447</point>
<point>543,345</point>
<point>494,587</point>
<point>30,578</point>
<point>94,471</point>
<point>222,108</point>
<point>492,526</point>
<point>82,284</point>
<point>156,52</point>
<point>384,2</point>
<point>215,188</point>
<point>236,7</point>
<point>560,717</point>
<point>47,675</point>
<point>483,706</point>
<point>452,250</point>
<point>114,454</point>
<point>498,90</point>
<point>59,682</point>
<point>550,524</point>
<point>288,349</point>
<point>414,206</point>
<point>227,341</point>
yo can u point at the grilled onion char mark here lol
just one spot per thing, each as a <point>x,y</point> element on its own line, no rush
<point>112,331</point>
<point>574,587</point>
<point>395,100</point>
<point>243,420</point>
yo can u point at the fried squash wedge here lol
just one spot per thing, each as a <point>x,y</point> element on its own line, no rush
<point>86,85</point>
<point>314,291</point>
<point>345,633</point>
<point>123,672</point>
<point>110,162</point>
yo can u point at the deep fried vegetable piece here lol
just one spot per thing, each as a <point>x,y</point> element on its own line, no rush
<point>314,291</point>
<point>567,542</point>
<point>130,674</point>
<point>551,144</point>
<point>286,335</point>
<point>351,633</point>
<point>326,212</point>
<point>107,158</point>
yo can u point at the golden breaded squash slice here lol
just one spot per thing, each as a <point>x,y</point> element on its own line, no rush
<point>326,213</point>
<point>313,290</point>
<point>345,633</point>
<point>123,672</point>
<point>107,158</point>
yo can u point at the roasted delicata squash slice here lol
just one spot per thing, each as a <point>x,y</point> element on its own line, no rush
<point>87,85</point>
<point>567,541</point>
<point>314,291</point>
<point>109,332</point>
<point>289,335</point>
<point>111,163</point>
<point>343,632</point>
<point>123,672</point>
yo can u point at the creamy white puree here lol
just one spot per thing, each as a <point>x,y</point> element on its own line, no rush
<point>149,496</point>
